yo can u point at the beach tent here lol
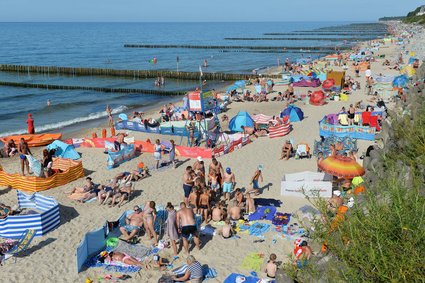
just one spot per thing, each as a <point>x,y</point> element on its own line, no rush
<point>241,119</point>
<point>64,150</point>
<point>294,113</point>
<point>43,216</point>
<point>308,183</point>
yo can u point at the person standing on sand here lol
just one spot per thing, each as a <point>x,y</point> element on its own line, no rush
<point>254,181</point>
<point>30,123</point>
<point>109,113</point>
<point>173,154</point>
<point>24,150</point>
<point>218,169</point>
<point>187,226</point>
<point>228,183</point>
<point>171,230</point>
<point>188,181</point>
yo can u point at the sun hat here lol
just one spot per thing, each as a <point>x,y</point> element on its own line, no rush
<point>199,158</point>
<point>337,193</point>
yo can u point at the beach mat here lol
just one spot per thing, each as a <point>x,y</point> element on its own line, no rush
<point>267,202</point>
<point>248,279</point>
<point>252,262</point>
<point>263,213</point>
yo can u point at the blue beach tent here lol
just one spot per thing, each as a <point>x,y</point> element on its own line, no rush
<point>64,150</point>
<point>241,119</point>
<point>294,113</point>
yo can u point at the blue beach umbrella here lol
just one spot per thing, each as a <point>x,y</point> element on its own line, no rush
<point>240,84</point>
<point>232,88</point>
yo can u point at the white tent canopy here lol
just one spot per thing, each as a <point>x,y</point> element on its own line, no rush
<point>307,183</point>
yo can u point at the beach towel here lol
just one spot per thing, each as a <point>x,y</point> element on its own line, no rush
<point>207,230</point>
<point>258,229</point>
<point>77,196</point>
<point>263,213</point>
<point>248,279</point>
<point>110,266</point>
<point>35,165</point>
<point>267,202</point>
<point>252,262</point>
<point>281,218</point>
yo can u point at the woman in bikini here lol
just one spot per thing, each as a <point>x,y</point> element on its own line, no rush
<point>119,257</point>
<point>149,217</point>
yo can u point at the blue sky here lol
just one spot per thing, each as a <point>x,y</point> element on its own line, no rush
<point>201,10</point>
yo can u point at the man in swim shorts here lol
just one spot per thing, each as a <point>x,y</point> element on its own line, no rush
<point>133,223</point>
<point>24,150</point>
<point>188,181</point>
<point>228,183</point>
<point>187,227</point>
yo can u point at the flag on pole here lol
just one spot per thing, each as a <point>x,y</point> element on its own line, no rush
<point>200,71</point>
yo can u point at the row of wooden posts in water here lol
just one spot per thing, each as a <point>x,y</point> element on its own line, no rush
<point>135,74</point>
<point>236,47</point>
<point>91,88</point>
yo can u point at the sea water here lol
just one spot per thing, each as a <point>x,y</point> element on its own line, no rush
<point>101,45</point>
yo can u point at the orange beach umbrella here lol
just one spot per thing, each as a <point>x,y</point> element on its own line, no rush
<point>341,166</point>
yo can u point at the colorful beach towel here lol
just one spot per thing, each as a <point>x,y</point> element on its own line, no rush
<point>281,218</point>
<point>263,213</point>
<point>248,279</point>
<point>253,261</point>
<point>258,229</point>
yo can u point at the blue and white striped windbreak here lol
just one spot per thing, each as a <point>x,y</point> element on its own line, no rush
<point>44,217</point>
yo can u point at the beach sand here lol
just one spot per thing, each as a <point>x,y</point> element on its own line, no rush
<point>52,257</point>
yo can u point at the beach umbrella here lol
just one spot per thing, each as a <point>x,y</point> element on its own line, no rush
<point>240,84</point>
<point>341,166</point>
<point>294,113</point>
<point>123,117</point>
<point>232,88</point>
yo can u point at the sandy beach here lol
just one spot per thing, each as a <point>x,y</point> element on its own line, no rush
<point>52,258</point>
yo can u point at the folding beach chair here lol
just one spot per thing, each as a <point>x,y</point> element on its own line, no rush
<point>303,150</point>
<point>20,246</point>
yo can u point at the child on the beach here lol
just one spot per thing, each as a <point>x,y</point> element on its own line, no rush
<point>271,266</point>
<point>213,180</point>
<point>227,230</point>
